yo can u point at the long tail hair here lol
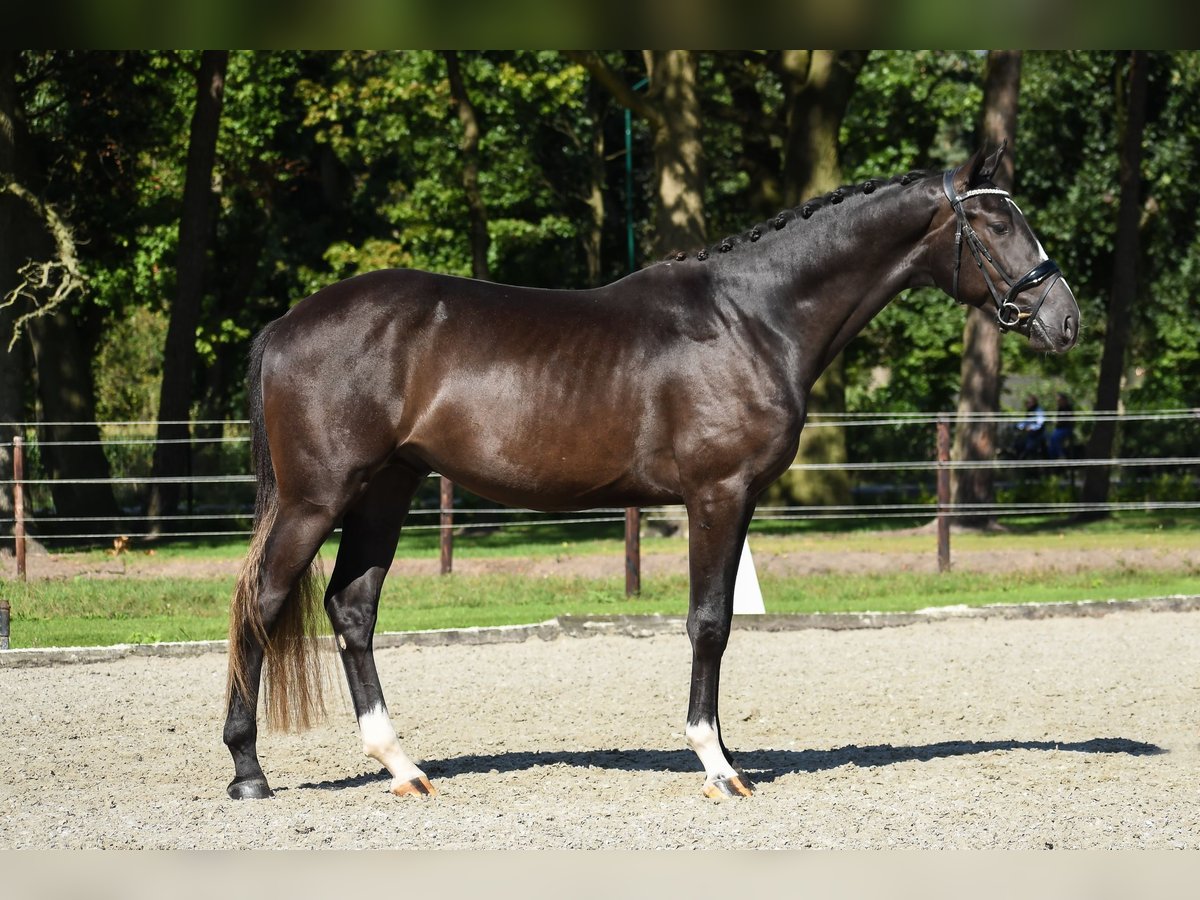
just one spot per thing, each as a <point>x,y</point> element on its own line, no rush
<point>292,674</point>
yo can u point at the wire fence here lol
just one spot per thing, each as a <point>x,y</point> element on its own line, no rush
<point>898,467</point>
<point>892,473</point>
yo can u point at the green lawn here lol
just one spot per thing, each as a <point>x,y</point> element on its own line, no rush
<point>97,611</point>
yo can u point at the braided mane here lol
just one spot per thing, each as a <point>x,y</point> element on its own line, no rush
<point>802,212</point>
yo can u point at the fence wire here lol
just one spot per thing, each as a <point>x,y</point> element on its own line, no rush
<point>135,525</point>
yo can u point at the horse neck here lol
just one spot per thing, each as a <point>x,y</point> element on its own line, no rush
<point>835,271</point>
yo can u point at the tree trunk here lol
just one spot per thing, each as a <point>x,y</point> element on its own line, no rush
<point>63,353</point>
<point>1131,104</point>
<point>226,376</point>
<point>476,211</point>
<point>195,230</point>
<point>678,153</point>
<point>593,235</point>
<point>979,391</point>
<point>12,363</point>
<point>759,155</point>
<point>818,85</point>
<point>672,108</point>
<point>62,346</point>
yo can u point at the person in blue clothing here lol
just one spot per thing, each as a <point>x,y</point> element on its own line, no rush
<point>1031,430</point>
<point>1063,433</point>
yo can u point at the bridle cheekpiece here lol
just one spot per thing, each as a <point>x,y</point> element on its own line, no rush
<point>1008,314</point>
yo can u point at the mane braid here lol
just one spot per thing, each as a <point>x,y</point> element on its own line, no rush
<point>804,211</point>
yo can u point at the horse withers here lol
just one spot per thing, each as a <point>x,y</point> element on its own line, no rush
<point>685,382</point>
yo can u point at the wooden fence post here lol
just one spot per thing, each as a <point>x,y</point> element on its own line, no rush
<point>447,525</point>
<point>943,494</point>
<point>19,503</point>
<point>633,551</point>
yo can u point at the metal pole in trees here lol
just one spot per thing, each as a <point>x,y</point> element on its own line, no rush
<point>19,503</point>
<point>446,520</point>
<point>633,516</point>
<point>633,552</point>
<point>943,494</point>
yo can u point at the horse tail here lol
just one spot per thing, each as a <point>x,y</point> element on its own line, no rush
<point>292,674</point>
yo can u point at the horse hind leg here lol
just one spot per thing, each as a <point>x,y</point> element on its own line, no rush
<point>370,531</point>
<point>271,597</point>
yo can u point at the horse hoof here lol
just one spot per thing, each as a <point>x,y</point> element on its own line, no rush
<point>253,787</point>
<point>734,786</point>
<point>418,787</point>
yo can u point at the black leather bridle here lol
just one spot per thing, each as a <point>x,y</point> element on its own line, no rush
<point>1008,314</point>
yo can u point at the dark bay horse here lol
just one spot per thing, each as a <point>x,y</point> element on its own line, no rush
<point>685,382</point>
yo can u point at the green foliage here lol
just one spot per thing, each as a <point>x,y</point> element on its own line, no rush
<point>909,111</point>
<point>912,110</point>
<point>331,164</point>
<point>389,124</point>
<point>128,366</point>
<point>1165,357</point>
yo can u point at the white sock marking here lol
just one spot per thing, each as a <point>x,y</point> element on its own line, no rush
<point>705,740</point>
<point>380,743</point>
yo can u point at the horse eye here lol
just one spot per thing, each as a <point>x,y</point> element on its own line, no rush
<point>998,228</point>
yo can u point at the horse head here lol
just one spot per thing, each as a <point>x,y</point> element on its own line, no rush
<point>1037,304</point>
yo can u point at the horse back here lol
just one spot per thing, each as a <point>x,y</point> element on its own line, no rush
<point>540,398</point>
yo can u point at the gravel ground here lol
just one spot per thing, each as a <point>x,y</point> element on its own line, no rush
<point>965,733</point>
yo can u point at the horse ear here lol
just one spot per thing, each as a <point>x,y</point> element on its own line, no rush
<point>985,169</point>
<point>980,168</point>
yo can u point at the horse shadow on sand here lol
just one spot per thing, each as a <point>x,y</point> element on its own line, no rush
<point>763,766</point>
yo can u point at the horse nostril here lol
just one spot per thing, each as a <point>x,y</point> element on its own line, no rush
<point>1068,330</point>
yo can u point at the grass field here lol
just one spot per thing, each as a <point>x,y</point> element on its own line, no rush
<point>86,611</point>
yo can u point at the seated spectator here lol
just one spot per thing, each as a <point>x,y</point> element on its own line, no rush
<point>1064,428</point>
<point>1031,440</point>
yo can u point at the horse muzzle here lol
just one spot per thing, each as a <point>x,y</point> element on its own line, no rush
<point>1052,323</point>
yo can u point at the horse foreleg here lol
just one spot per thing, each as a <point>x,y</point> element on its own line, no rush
<point>369,535</point>
<point>717,528</point>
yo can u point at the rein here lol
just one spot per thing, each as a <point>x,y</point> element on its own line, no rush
<point>1008,314</point>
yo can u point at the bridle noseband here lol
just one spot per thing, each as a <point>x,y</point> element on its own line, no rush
<point>1008,314</point>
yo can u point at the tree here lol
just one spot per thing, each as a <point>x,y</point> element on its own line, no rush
<point>58,319</point>
<point>678,150</point>
<point>1166,331</point>
<point>979,392</point>
<point>818,85</point>
<point>470,166</point>
<point>1131,86</point>
<point>62,344</point>
<point>195,231</point>
<point>12,362</point>
<point>331,164</point>
<point>671,106</point>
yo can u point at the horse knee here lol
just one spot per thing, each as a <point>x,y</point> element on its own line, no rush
<point>708,632</point>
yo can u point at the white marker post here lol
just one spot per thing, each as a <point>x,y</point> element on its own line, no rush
<point>747,595</point>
